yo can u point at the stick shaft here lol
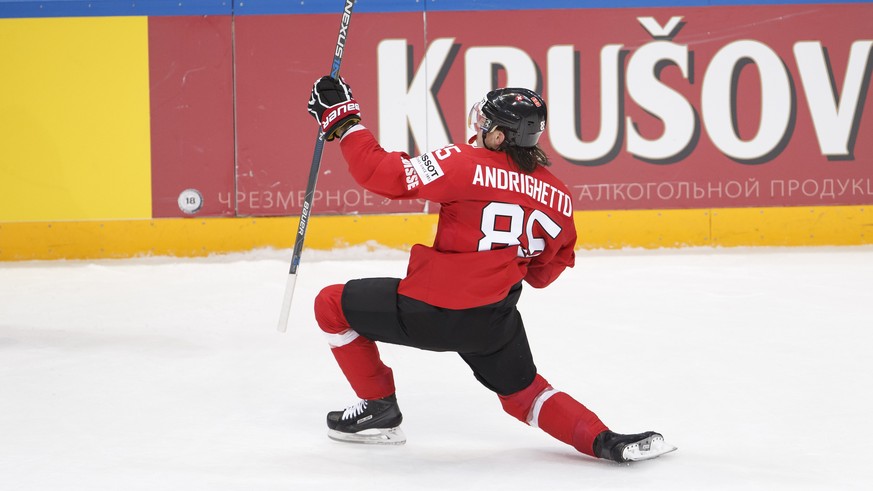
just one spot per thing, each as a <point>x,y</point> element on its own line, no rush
<point>314,170</point>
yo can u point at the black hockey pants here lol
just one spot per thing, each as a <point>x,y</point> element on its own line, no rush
<point>490,339</point>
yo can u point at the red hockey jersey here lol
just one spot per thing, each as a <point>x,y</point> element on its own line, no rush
<point>497,224</point>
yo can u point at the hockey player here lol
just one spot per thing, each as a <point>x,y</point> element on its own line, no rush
<point>504,218</point>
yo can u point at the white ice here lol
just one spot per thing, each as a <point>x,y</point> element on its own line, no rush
<point>169,374</point>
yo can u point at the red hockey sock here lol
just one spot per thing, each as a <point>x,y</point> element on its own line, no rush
<point>363,368</point>
<point>569,421</point>
<point>357,356</point>
<point>556,413</point>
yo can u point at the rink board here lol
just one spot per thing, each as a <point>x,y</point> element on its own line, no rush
<point>831,225</point>
<point>111,111</point>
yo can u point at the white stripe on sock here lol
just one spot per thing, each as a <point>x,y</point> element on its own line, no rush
<point>534,418</point>
<point>341,339</point>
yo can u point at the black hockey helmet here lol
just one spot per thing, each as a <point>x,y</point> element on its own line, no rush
<point>521,113</point>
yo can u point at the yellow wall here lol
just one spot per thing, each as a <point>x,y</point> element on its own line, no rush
<point>74,119</point>
<point>831,225</point>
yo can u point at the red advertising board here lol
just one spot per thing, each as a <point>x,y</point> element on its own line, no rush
<point>654,108</point>
<point>192,120</point>
<point>278,59</point>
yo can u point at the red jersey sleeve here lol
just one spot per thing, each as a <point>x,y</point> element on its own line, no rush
<point>373,167</point>
<point>542,271</point>
<point>396,175</point>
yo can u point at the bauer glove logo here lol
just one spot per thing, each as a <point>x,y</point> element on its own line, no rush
<point>339,111</point>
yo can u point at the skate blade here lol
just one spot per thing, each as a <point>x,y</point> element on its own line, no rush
<point>375,436</point>
<point>649,448</point>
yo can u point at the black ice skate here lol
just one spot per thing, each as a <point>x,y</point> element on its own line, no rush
<point>626,448</point>
<point>374,421</point>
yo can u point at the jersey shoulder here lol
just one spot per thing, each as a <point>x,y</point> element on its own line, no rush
<point>451,160</point>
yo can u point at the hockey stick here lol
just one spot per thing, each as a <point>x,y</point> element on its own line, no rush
<point>313,176</point>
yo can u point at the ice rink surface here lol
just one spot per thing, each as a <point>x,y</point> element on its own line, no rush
<point>162,374</point>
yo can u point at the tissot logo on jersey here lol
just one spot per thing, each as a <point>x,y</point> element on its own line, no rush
<point>426,167</point>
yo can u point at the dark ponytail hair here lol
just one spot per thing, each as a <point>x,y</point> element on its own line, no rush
<point>525,158</point>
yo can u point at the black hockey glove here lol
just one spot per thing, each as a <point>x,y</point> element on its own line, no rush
<point>332,105</point>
